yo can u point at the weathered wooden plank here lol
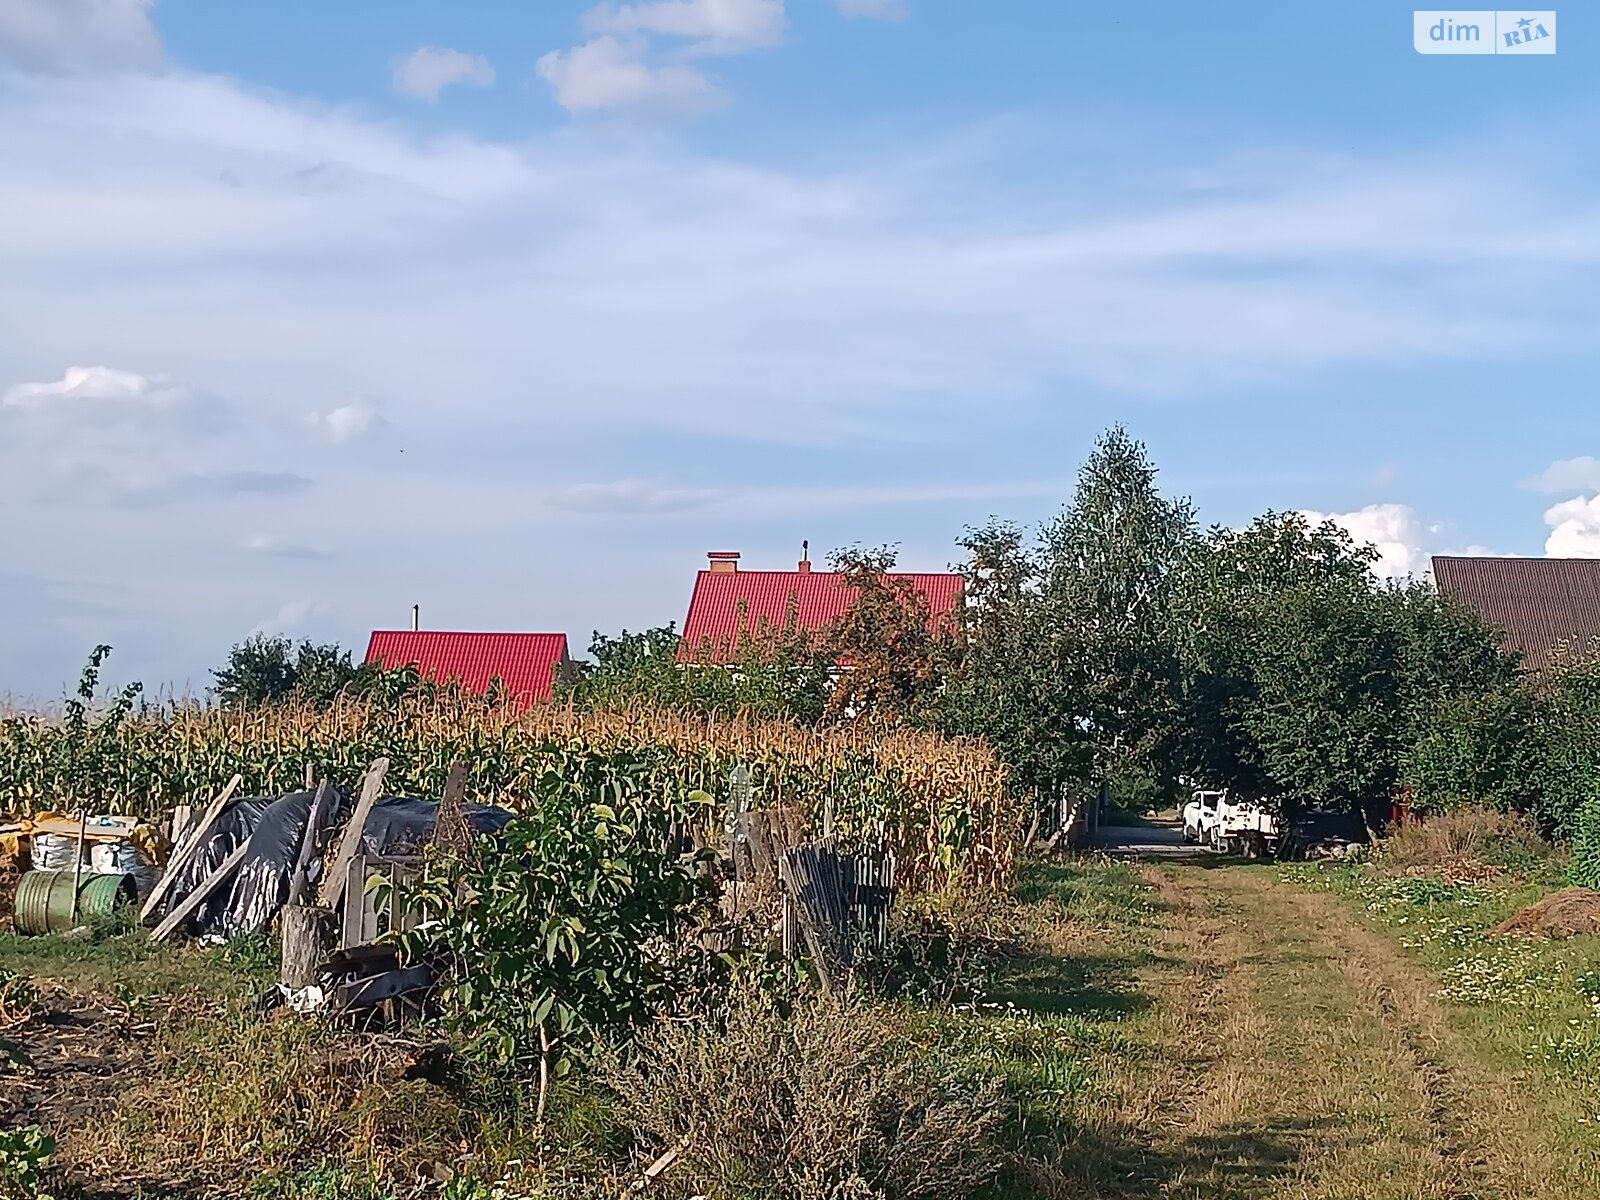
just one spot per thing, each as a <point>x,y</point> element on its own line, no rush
<point>186,852</point>
<point>334,880</point>
<point>198,897</point>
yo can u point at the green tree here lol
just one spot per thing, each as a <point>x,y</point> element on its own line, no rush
<point>887,645</point>
<point>270,670</point>
<point>1012,680</point>
<point>766,671</point>
<point>1236,595</point>
<point>1108,565</point>
<point>1569,742</point>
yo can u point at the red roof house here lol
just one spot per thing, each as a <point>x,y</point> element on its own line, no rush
<point>525,662</point>
<point>819,597</point>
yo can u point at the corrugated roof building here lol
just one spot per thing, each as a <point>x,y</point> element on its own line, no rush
<point>1539,604</point>
<point>526,663</point>
<point>819,598</point>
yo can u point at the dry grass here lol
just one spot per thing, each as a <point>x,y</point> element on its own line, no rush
<point>815,1104</point>
<point>1470,843</point>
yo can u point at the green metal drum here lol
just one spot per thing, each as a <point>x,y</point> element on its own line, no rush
<point>44,899</point>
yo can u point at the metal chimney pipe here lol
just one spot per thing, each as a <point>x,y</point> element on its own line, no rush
<point>416,616</point>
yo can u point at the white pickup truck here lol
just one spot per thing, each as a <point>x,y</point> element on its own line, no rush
<point>1215,820</point>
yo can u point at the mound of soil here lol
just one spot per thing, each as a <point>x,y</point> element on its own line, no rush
<point>1570,912</point>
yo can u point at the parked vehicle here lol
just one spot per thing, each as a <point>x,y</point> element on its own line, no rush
<point>1200,815</point>
<point>1214,819</point>
<point>1245,828</point>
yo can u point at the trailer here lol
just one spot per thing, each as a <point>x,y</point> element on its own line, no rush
<point>1229,826</point>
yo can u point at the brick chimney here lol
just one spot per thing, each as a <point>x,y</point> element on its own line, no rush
<point>805,558</point>
<point>723,560</point>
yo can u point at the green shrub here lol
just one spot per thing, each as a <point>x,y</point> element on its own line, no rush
<point>566,926</point>
<point>23,1153</point>
<point>1585,869</point>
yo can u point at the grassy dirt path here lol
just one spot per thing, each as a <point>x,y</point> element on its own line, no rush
<point>1289,1050</point>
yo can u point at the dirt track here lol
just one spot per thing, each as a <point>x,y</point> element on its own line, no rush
<point>1295,1053</point>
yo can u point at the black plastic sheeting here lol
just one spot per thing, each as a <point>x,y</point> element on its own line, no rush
<point>261,885</point>
<point>273,827</point>
<point>1316,826</point>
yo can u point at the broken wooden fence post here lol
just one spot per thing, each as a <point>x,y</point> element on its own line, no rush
<point>307,936</point>
<point>308,844</point>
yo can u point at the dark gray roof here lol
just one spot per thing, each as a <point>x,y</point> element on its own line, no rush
<point>1540,604</point>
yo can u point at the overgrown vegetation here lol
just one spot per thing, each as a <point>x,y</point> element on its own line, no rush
<point>568,927</point>
<point>941,805</point>
<point>266,669</point>
<point>805,1101</point>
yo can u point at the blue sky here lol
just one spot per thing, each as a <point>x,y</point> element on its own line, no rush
<point>514,310</point>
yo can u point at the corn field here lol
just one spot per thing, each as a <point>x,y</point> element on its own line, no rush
<point>941,805</point>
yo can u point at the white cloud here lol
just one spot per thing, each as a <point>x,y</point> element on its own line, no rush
<point>274,546</point>
<point>1581,474</point>
<point>603,75</point>
<point>426,72</point>
<point>1574,528</point>
<point>68,35</point>
<point>295,618</point>
<point>881,10</point>
<point>632,496</point>
<point>732,24</point>
<point>79,385</point>
<point>1400,537</point>
<point>346,422</point>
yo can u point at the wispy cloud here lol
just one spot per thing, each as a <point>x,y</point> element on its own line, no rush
<point>603,75</point>
<point>632,496</point>
<point>346,422</point>
<point>1581,474</point>
<point>296,618</point>
<point>68,35</point>
<point>274,546</point>
<point>186,485</point>
<point>426,72</point>
<point>878,10</point>
<point>733,24</point>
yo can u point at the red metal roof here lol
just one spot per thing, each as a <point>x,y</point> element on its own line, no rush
<point>524,662</point>
<point>1538,603</point>
<point>820,598</point>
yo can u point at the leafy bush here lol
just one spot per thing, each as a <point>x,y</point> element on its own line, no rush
<point>1585,868</point>
<point>23,1152</point>
<point>816,1104</point>
<point>567,926</point>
